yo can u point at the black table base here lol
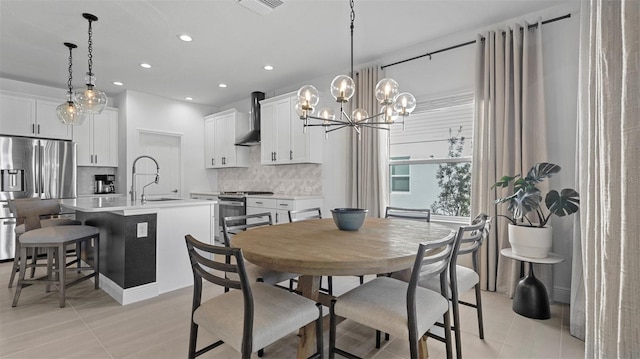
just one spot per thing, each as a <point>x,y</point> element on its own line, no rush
<point>531,299</point>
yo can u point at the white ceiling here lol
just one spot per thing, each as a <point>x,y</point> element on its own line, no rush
<point>302,39</point>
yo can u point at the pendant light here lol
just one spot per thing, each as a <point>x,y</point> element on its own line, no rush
<point>91,100</point>
<point>69,113</point>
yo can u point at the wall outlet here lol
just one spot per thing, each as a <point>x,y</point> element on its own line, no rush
<point>143,229</point>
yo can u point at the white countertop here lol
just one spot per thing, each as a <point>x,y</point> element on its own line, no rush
<point>124,205</point>
<point>274,196</point>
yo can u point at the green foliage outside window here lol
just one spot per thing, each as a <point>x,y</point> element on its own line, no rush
<point>454,180</point>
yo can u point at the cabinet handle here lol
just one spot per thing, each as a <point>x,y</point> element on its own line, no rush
<point>33,128</point>
<point>96,158</point>
<point>38,129</point>
<point>212,161</point>
<point>284,205</point>
<point>290,155</point>
<point>277,218</point>
<point>258,202</point>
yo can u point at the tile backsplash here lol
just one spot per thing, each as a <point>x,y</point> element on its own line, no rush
<point>302,179</point>
<point>86,179</point>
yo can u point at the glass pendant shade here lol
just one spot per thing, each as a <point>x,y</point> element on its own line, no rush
<point>389,114</point>
<point>404,104</point>
<point>327,114</point>
<point>386,91</point>
<point>308,97</point>
<point>359,115</point>
<point>91,100</point>
<point>303,113</point>
<point>342,88</point>
<point>69,114</point>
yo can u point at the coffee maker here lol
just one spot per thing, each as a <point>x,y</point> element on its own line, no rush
<point>105,184</point>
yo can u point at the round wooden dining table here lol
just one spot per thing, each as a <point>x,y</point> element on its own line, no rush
<point>316,248</point>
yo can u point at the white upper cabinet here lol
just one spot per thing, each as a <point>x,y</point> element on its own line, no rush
<point>220,148</point>
<point>209,148</point>
<point>283,140</point>
<point>21,115</point>
<point>97,139</point>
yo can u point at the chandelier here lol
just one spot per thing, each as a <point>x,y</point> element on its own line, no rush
<point>394,106</point>
<point>91,100</point>
<point>69,113</point>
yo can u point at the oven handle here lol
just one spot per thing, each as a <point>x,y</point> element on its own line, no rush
<point>230,203</point>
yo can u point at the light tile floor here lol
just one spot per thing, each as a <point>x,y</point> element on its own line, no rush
<point>93,325</point>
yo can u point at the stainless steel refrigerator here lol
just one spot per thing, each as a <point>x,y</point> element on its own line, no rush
<point>31,167</point>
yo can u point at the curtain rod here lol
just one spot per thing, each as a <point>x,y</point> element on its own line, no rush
<point>532,26</point>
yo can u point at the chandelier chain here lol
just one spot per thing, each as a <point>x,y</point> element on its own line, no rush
<point>90,50</point>
<point>352,17</point>
<point>69,82</point>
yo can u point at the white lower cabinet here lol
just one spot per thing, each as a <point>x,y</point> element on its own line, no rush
<point>280,207</point>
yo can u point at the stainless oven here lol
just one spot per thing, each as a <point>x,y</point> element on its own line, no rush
<point>230,206</point>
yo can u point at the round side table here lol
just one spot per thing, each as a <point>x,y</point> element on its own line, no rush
<point>531,299</point>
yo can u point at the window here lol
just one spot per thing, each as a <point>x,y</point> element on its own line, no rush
<point>430,161</point>
<point>400,176</point>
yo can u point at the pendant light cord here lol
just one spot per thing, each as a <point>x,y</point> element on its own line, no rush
<point>353,17</point>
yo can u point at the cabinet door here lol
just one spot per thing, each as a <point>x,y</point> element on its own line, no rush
<point>219,141</point>
<point>283,129</point>
<point>105,138</point>
<point>83,136</point>
<point>17,115</point>
<point>299,137</point>
<point>209,143</point>
<point>268,133</point>
<point>230,140</point>
<point>47,123</point>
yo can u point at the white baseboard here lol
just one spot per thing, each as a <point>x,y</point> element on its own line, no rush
<point>130,295</point>
<point>562,295</point>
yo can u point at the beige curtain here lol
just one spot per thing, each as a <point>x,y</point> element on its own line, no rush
<point>508,137</point>
<point>369,150</point>
<point>609,163</point>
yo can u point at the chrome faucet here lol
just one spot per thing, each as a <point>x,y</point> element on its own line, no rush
<point>133,178</point>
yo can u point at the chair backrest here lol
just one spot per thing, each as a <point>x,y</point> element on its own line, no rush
<point>208,269</point>
<point>432,259</point>
<point>304,214</point>
<point>230,226</point>
<point>30,210</point>
<point>408,213</point>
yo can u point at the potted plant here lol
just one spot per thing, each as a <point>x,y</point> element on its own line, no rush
<point>529,234</point>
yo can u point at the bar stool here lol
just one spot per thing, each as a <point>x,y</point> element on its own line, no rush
<point>55,241</point>
<point>20,229</point>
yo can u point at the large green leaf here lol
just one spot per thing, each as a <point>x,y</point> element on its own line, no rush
<point>525,201</point>
<point>564,203</point>
<point>504,181</point>
<point>541,171</point>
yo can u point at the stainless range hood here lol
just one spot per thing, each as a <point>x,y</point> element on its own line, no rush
<point>252,138</point>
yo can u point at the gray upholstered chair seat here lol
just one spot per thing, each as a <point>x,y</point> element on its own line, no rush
<point>57,234</point>
<point>268,276</point>
<point>467,279</point>
<point>382,304</point>
<point>275,312</point>
<point>49,223</point>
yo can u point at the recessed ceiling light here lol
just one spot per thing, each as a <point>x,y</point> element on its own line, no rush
<point>268,67</point>
<point>145,65</point>
<point>222,85</point>
<point>185,38</point>
<point>189,98</point>
<point>118,83</point>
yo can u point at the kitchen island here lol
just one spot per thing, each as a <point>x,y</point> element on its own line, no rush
<point>142,247</point>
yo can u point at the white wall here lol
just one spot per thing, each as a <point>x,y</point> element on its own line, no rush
<point>146,112</point>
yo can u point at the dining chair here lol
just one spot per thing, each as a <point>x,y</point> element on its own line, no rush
<point>303,215</point>
<point>401,308</point>
<point>53,219</point>
<point>461,278</point>
<point>235,224</point>
<point>55,240</point>
<point>249,318</point>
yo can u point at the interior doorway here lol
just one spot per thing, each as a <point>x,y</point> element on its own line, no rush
<point>166,148</point>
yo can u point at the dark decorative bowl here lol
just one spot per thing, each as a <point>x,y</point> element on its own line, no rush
<point>349,219</point>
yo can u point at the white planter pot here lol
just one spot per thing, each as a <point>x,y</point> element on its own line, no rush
<point>532,242</point>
